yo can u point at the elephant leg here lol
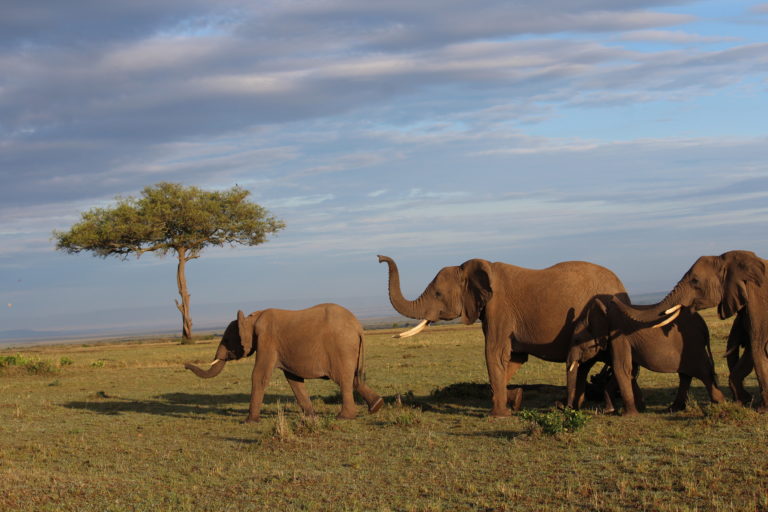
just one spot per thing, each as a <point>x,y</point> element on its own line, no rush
<point>300,392</point>
<point>577,383</point>
<point>739,367</point>
<point>682,393</point>
<point>610,389</point>
<point>262,371</point>
<point>622,370</point>
<point>514,395</point>
<point>760,361</point>
<point>739,372</point>
<point>348,407</point>
<point>374,401</point>
<point>498,360</point>
<point>636,391</point>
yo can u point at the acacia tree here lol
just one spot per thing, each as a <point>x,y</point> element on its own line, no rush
<point>169,217</point>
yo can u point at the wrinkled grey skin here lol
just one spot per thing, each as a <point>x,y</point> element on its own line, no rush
<point>324,341</point>
<point>736,283</point>
<point>523,311</point>
<point>681,347</point>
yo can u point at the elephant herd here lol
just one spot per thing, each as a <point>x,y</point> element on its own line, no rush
<point>573,312</point>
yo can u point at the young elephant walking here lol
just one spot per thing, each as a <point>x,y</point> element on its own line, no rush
<point>680,347</point>
<point>324,341</point>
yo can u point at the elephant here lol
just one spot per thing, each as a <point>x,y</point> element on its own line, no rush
<point>523,311</point>
<point>735,282</point>
<point>324,341</point>
<point>680,347</point>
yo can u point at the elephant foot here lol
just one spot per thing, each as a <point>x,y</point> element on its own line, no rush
<point>676,407</point>
<point>346,415</point>
<point>378,404</point>
<point>251,419</point>
<point>609,410</point>
<point>630,412</point>
<point>501,413</point>
<point>514,398</point>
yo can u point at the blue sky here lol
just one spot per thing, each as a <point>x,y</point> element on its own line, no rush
<point>628,133</point>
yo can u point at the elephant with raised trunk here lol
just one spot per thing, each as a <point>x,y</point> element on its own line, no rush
<point>321,342</point>
<point>523,311</point>
<point>736,283</point>
<point>681,347</point>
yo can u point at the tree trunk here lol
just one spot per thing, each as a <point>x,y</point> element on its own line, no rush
<point>181,281</point>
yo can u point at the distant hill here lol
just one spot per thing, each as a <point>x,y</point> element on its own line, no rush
<point>373,312</point>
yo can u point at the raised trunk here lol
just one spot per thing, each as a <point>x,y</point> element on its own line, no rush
<point>181,281</point>
<point>213,371</point>
<point>654,313</point>
<point>409,308</point>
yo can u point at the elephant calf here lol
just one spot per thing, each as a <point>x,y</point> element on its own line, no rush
<point>324,341</point>
<point>681,347</point>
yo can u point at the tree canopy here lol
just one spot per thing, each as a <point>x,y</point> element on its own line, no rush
<point>169,217</point>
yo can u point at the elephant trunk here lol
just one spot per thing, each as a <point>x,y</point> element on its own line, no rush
<point>213,371</point>
<point>216,367</point>
<point>408,308</point>
<point>660,313</point>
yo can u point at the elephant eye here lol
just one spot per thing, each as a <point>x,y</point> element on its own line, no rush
<point>438,294</point>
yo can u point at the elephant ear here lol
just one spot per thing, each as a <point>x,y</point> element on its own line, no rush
<point>598,323</point>
<point>478,289</point>
<point>742,267</point>
<point>245,329</point>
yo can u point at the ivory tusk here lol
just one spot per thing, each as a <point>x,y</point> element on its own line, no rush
<point>215,361</point>
<point>668,320</point>
<point>673,309</point>
<point>571,367</point>
<point>416,330</point>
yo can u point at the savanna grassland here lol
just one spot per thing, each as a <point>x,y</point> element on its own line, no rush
<point>123,426</point>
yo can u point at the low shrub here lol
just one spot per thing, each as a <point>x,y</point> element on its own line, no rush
<point>33,366</point>
<point>555,421</point>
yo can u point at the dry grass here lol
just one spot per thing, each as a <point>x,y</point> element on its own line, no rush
<point>138,432</point>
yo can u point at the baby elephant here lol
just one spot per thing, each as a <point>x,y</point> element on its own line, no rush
<point>681,347</point>
<point>321,342</point>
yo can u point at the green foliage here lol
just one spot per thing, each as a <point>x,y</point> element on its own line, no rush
<point>556,421</point>
<point>65,361</point>
<point>99,363</point>
<point>169,216</point>
<point>32,365</point>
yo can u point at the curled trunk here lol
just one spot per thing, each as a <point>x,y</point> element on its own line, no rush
<point>409,308</point>
<point>213,371</point>
<point>654,313</point>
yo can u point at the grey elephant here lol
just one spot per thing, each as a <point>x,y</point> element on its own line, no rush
<point>681,346</point>
<point>523,311</point>
<point>321,342</point>
<point>736,283</point>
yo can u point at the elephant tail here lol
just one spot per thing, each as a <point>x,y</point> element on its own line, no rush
<point>360,370</point>
<point>711,360</point>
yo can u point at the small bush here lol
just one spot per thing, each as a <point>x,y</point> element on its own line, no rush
<point>555,421</point>
<point>99,363</point>
<point>65,361</point>
<point>33,366</point>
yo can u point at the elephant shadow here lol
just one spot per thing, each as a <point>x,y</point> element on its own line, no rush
<point>187,405</point>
